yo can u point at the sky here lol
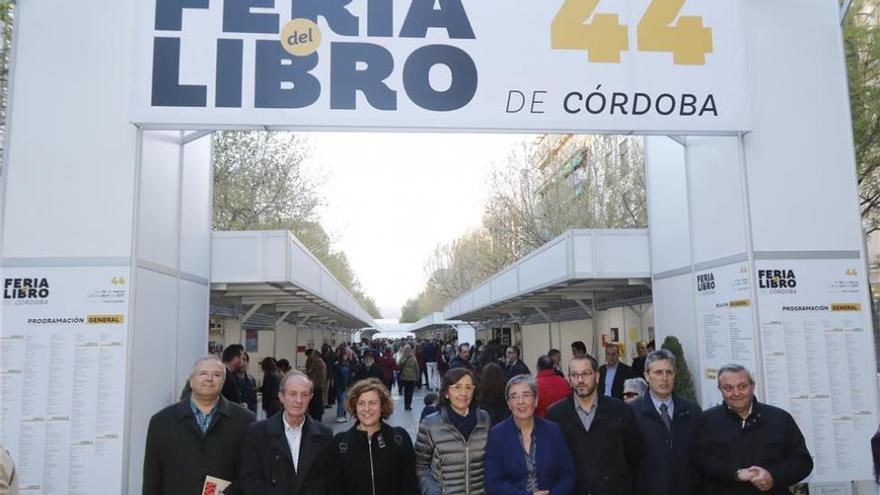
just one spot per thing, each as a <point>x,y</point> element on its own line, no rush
<point>390,198</point>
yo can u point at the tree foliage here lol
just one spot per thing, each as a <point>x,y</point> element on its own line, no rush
<point>261,183</point>
<point>561,183</point>
<point>260,180</point>
<point>684,382</point>
<point>454,268</point>
<point>425,303</point>
<point>862,42</point>
<point>7,9</point>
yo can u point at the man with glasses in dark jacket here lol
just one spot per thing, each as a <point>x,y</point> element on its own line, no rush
<point>196,442</point>
<point>601,433</point>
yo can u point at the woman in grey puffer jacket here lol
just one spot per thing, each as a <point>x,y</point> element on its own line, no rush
<point>452,442</point>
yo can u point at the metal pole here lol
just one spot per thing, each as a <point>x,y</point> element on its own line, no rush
<point>690,220</point>
<point>750,253</point>
<point>593,317</point>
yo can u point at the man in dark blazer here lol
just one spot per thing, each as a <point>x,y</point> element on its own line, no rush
<point>615,371</point>
<point>513,365</point>
<point>287,454</point>
<point>199,436</point>
<point>601,433</point>
<point>745,447</point>
<point>668,424</point>
<point>233,359</point>
<point>638,365</point>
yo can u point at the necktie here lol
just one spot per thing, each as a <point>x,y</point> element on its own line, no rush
<point>664,415</point>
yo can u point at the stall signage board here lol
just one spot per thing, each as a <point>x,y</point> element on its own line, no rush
<point>63,355</point>
<point>817,349</point>
<point>724,323</point>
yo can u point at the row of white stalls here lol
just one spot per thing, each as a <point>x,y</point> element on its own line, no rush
<point>436,327</point>
<point>586,285</point>
<point>270,294</point>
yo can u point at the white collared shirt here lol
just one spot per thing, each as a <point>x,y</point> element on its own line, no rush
<point>743,423</point>
<point>670,406</point>
<point>610,373</point>
<point>294,438</point>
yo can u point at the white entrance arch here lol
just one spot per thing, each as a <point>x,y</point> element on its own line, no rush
<point>86,193</point>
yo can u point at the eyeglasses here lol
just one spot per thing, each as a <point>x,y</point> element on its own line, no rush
<point>526,396</point>
<point>459,387</point>
<point>630,395</point>
<point>582,376</point>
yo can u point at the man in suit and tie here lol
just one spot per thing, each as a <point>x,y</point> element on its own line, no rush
<point>613,373</point>
<point>668,424</point>
<point>638,365</point>
<point>287,453</point>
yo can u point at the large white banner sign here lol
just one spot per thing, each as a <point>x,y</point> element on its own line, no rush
<point>63,371</point>
<point>670,66</point>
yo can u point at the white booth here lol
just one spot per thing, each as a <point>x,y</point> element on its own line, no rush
<point>592,286</point>
<point>275,298</point>
<point>436,326</point>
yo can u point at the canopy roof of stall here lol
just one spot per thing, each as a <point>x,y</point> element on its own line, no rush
<point>271,277</point>
<point>563,280</point>
<point>434,321</point>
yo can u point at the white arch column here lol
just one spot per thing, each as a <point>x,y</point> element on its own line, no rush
<point>756,242</point>
<point>116,221</point>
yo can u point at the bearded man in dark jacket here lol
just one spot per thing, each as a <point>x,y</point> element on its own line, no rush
<point>601,433</point>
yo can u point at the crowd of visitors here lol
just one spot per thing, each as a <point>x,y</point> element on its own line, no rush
<point>488,427</point>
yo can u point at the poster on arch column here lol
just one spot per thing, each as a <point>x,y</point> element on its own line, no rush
<point>818,357</point>
<point>63,362</point>
<point>725,325</point>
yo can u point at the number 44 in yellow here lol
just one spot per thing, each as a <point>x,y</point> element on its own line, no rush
<point>605,38</point>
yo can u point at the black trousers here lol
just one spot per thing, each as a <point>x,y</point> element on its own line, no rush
<point>408,387</point>
<point>316,406</point>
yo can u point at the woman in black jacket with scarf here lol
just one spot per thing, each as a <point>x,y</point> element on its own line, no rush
<point>372,457</point>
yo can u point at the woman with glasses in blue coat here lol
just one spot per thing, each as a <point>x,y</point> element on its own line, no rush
<point>527,455</point>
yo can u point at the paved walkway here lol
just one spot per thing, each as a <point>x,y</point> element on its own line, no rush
<point>407,419</point>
